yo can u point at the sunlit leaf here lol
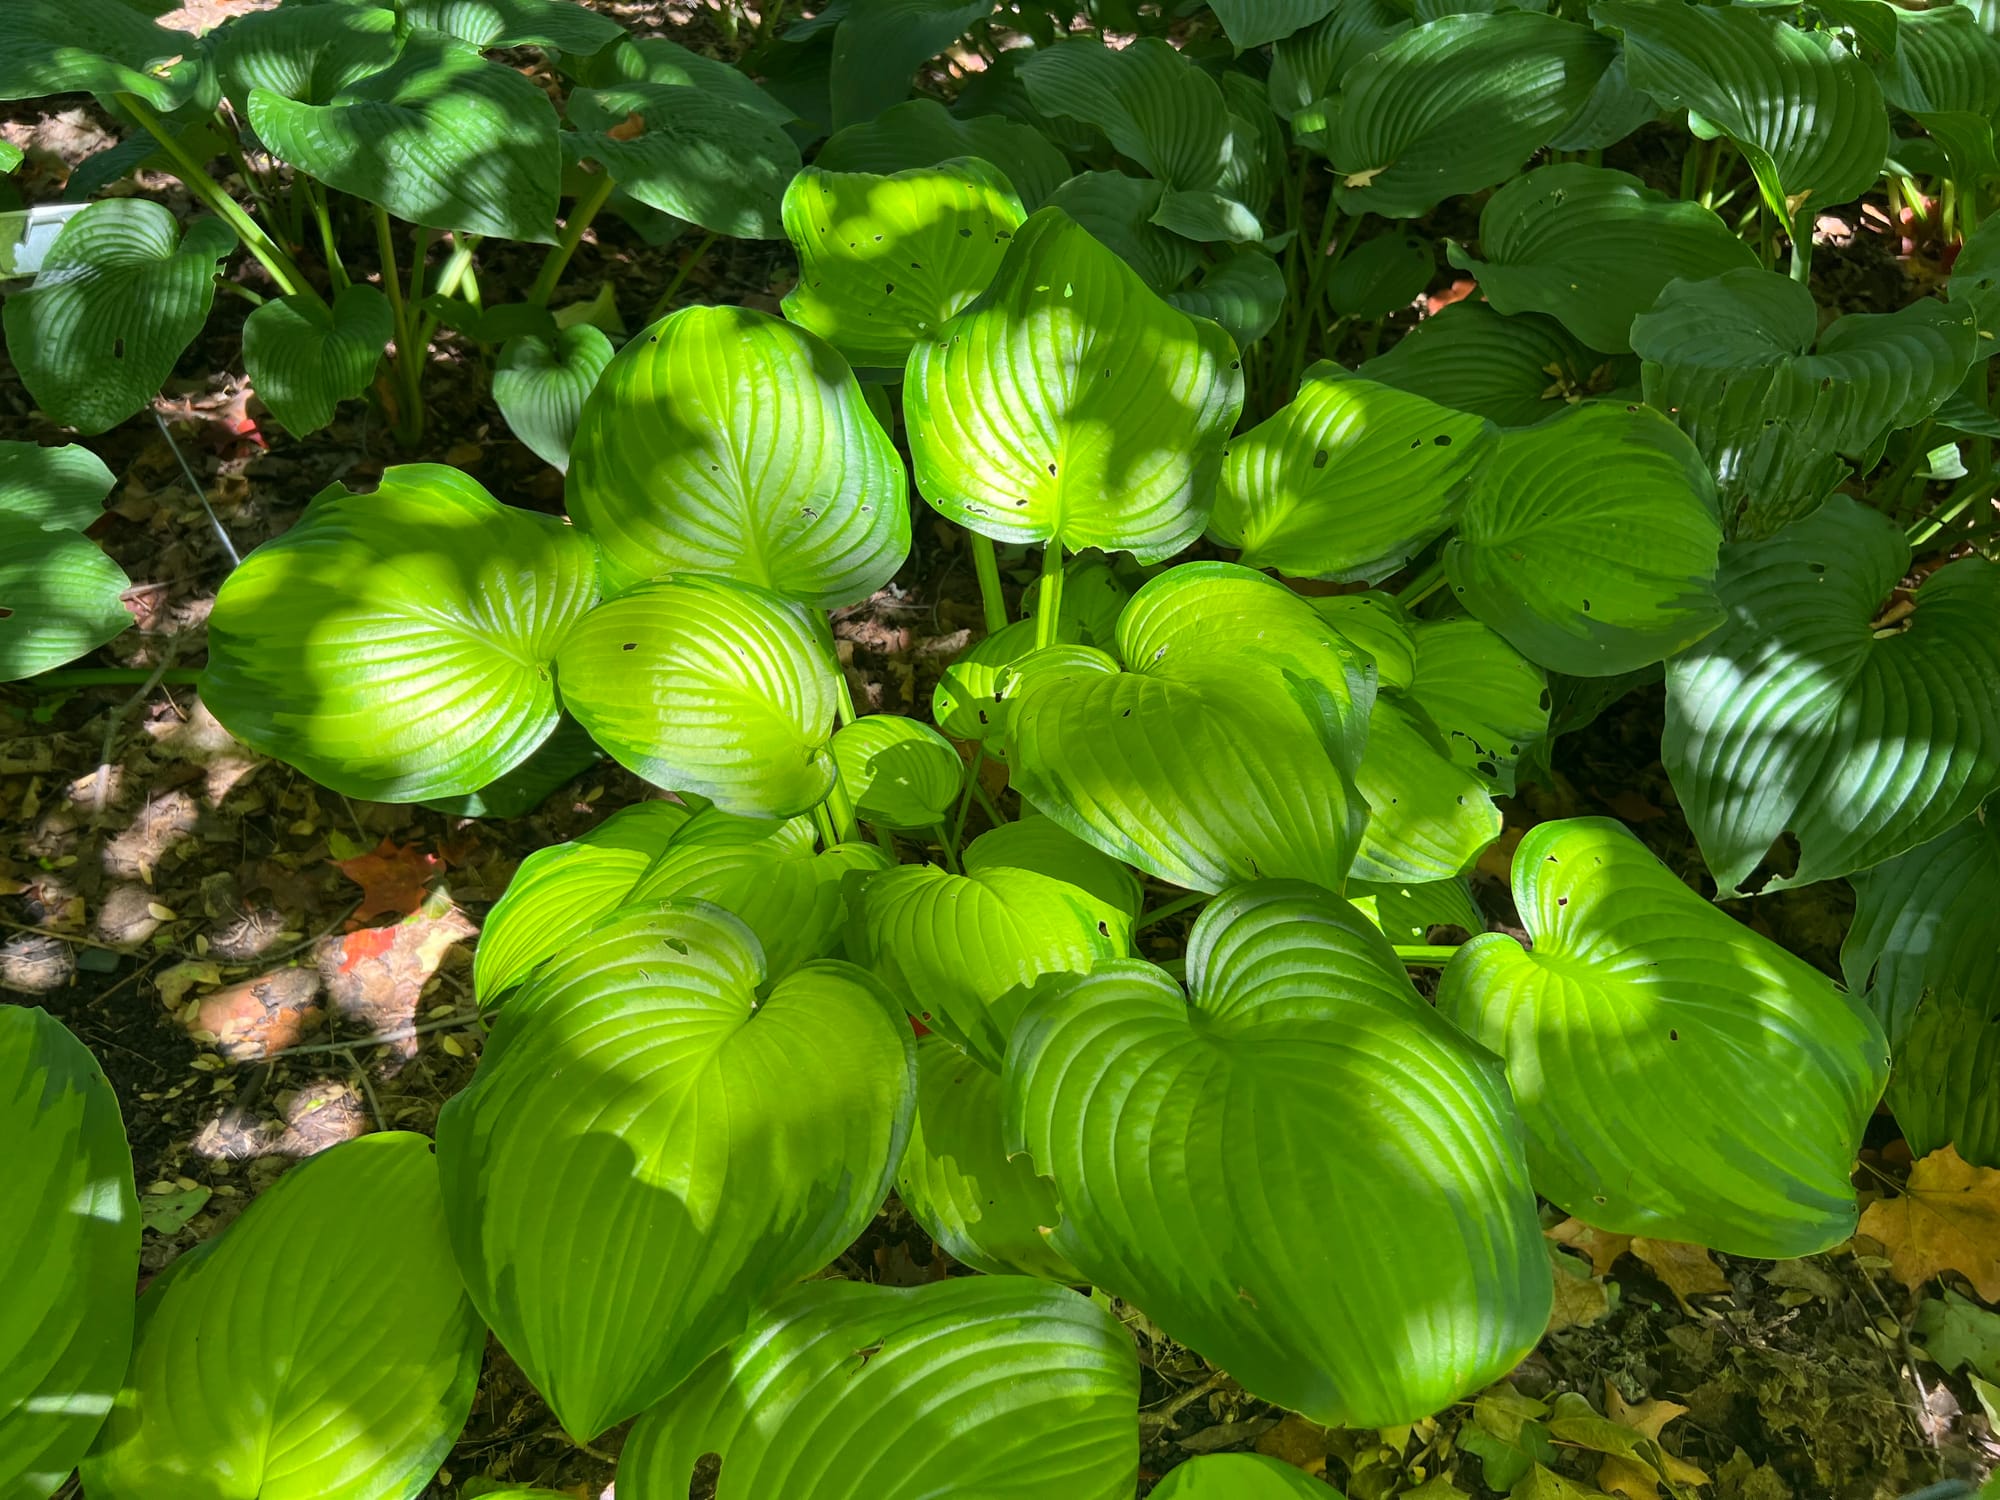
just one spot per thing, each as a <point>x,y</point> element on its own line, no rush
<point>1513,371</point>
<point>900,772</point>
<point>540,386</point>
<point>92,47</point>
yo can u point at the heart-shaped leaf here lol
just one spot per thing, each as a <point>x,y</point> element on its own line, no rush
<point>119,297</point>
<point>1590,542</point>
<point>1069,405</point>
<point>1514,371</point>
<point>650,1150</point>
<point>1406,913</point>
<point>1307,67</point>
<point>1457,105</point>
<point>901,773</point>
<point>304,358</point>
<point>1227,749</point>
<point>1381,276</point>
<point>93,47</point>
<point>1592,248</point>
<point>992,1386</point>
<point>1251,23</point>
<point>1244,293</point>
<point>1801,715</point>
<point>706,686</point>
<point>69,1251</point>
<point>555,24</point>
<point>883,261</point>
<point>59,593</point>
<point>441,137</point>
<point>923,133</point>
<point>1119,213</point>
<point>880,43</point>
<point>1185,1138</point>
<point>1236,1476</point>
<point>1149,98</point>
<point>304,52</point>
<point>658,59</point>
<point>397,645</point>
<point>1943,68</point>
<point>345,1373</point>
<point>1641,1035</point>
<point>1348,481</point>
<point>540,386</point>
<point>728,442</point>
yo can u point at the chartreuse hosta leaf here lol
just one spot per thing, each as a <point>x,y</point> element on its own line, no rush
<point>1236,1476</point>
<point>923,133</point>
<point>963,950</point>
<point>398,645</point>
<point>95,47</point>
<point>1728,358</point>
<point>1457,105</point>
<point>119,297</point>
<point>1592,248</point>
<point>69,1252</point>
<point>1185,1139</point>
<point>1590,542</point>
<point>883,261</point>
<point>1407,912</point>
<point>340,1374</point>
<point>1069,405</point>
<point>540,385</point>
<point>725,441</point>
<point>654,1146</point>
<point>1225,751</point>
<point>1800,715</point>
<point>1514,371</point>
<point>59,593</point>
<point>1349,481</point>
<point>700,685</point>
<point>763,871</point>
<point>1641,1035</point>
<point>995,1386</point>
<point>901,773</point>
<point>304,358</point>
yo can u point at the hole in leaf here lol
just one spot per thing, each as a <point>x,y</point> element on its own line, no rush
<point>118,348</point>
<point>631,645</point>
<point>1442,440</point>
<point>1319,459</point>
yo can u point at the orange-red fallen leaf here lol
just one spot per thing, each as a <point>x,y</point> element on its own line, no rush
<point>1687,1270</point>
<point>375,978</point>
<point>1601,1245</point>
<point>392,877</point>
<point>1947,1219</point>
<point>628,129</point>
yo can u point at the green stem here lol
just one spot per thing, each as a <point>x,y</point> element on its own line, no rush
<point>1426,956</point>
<point>237,289</point>
<point>1171,909</point>
<point>945,848</point>
<point>841,807</point>
<point>1802,246</point>
<point>456,269</point>
<point>1420,588</point>
<point>965,794</point>
<point>323,216</point>
<point>1048,602</point>
<point>688,262</point>
<point>1967,493</point>
<point>283,270</point>
<point>993,814</point>
<point>581,213</point>
<point>843,707</point>
<point>76,677</point>
<point>888,841</point>
<point>823,821</point>
<point>1891,489</point>
<point>986,563</point>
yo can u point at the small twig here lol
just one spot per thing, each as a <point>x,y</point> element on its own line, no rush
<point>317,938</point>
<point>367,1088</point>
<point>1164,1413</point>
<point>377,1039</point>
<point>235,558</point>
<point>1921,1418</point>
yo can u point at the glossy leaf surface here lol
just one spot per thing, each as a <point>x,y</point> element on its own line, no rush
<point>540,386</point>
<point>59,593</point>
<point>304,358</point>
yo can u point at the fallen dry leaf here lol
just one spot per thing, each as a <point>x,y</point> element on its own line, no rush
<point>1580,1298</point>
<point>375,977</point>
<point>1687,1270</point>
<point>1649,1417</point>
<point>1601,1245</point>
<point>393,878</point>
<point>1298,1442</point>
<point>1947,1219</point>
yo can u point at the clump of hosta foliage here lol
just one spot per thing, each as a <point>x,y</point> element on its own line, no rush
<point>1077,308</point>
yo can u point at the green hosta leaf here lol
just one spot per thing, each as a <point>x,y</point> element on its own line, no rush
<point>880,43</point>
<point>1119,213</point>
<point>1457,105</point>
<point>304,358</point>
<point>441,137</point>
<point>120,296</point>
<point>1251,23</point>
<point>307,53</point>
<point>560,759</point>
<point>1593,248</point>
<point>1149,98</point>
<point>555,24</point>
<point>93,47</point>
<point>1798,717</point>
<point>1040,845</point>
<point>1946,1087</point>
<point>900,773</point>
<point>1307,67</point>
<point>923,133</point>
<point>984,1208</point>
<point>1489,702</point>
<point>1590,542</point>
<point>397,645</point>
<point>340,1374</point>
<point>540,386</point>
<point>657,59</point>
<point>1641,1035</point>
<point>698,155</point>
<point>642,1115</point>
<point>60,596</point>
<point>1236,1476</point>
<point>1070,405</point>
<point>1227,749</point>
<point>1805,110</point>
<point>701,685</point>
<point>69,1251</point>
<point>1407,913</point>
<point>1244,293</point>
<point>883,261</point>
<point>728,442</point>
<point>54,489</point>
<point>1381,276</point>
<point>1185,1141</point>
<point>1513,371</point>
<point>1207,217</point>
<point>1349,481</point>
<point>1943,60</point>
<point>991,1386</point>
<point>1728,358</point>
<point>1614,110</point>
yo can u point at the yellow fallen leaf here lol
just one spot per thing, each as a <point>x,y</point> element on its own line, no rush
<point>1601,1245</point>
<point>1947,1219</point>
<point>1580,1298</point>
<point>1687,1270</point>
<point>1362,179</point>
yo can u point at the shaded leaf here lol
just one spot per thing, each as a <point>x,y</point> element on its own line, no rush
<point>304,358</point>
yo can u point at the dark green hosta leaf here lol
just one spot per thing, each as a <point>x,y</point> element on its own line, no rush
<point>990,1386</point>
<point>1946,1087</point>
<point>1069,405</point>
<point>1590,542</point>
<point>1641,1035</point>
<point>1614,110</point>
<point>642,1115</point>
<point>1251,23</point>
<point>1381,276</point>
<point>1119,213</point>
<point>1513,371</point>
<point>1227,749</point>
<point>1944,60</point>
<point>901,773</point>
<point>59,593</point>
<point>307,53</point>
<point>1457,105</point>
<point>1805,110</point>
<point>1204,1121</point>
<point>884,261</point>
<point>119,298</point>
<point>540,386</point>
<point>441,137</point>
<point>560,759</point>
<point>701,685</point>
<point>93,47</point>
<point>1350,480</point>
<point>1150,99</point>
<point>1236,1476</point>
<point>1728,357</point>
<point>69,1251</point>
<point>1308,66</point>
<point>657,59</point>
<point>262,1368</point>
<point>1592,248</point>
<point>880,43</point>
<point>397,645</point>
<point>304,358</point>
<point>728,442</point>
<point>923,133</point>
<point>1798,717</point>
<point>556,24</point>
<point>1244,293</point>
